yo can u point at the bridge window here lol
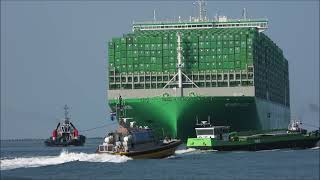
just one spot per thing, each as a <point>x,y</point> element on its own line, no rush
<point>195,77</point>
<point>205,132</point>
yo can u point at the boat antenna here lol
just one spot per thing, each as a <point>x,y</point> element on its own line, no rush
<point>244,13</point>
<point>123,108</point>
<point>154,15</point>
<point>66,112</point>
<point>119,108</point>
<point>197,120</point>
<point>209,120</point>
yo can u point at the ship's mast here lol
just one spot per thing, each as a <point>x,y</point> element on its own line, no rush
<point>179,64</point>
<point>244,13</point>
<point>66,112</point>
<point>202,9</point>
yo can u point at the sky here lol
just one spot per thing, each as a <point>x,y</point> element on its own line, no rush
<point>54,53</point>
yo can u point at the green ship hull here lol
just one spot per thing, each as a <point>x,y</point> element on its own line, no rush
<point>171,73</point>
<point>176,116</point>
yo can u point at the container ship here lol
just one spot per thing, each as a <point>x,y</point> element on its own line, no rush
<point>168,73</point>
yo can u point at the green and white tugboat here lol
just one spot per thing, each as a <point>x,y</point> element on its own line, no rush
<point>211,137</point>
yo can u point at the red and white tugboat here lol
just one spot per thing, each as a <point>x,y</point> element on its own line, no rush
<point>65,134</point>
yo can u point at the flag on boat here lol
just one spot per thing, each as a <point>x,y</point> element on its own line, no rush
<point>113,115</point>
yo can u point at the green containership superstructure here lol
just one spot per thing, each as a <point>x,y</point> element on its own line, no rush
<point>170,73</point>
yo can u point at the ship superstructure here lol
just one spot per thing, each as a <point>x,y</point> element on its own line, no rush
<point>170,72</point>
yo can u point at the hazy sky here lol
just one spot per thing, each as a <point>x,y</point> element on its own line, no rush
<point>54,53</point>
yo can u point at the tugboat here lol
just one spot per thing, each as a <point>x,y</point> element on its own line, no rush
<point>136,142</point>
<point>218,138</point>
<point>65,134</point>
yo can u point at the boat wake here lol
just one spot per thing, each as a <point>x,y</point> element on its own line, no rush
<point>64,157</point>
<point>269,150</point>
<point>182,151</point>
<point>185,151</point>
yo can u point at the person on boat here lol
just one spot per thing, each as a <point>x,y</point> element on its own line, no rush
<point>166,140</point>
<point>127,143</point>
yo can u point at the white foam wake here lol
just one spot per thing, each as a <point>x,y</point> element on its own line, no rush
<point>184,151</point>
<point>269,150</point>
<point>64,157</point>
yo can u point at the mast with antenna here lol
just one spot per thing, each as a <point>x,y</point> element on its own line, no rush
<point>179,64</point>
<point>66,112</point>
<point>202,9</point>
<point>244,13</point>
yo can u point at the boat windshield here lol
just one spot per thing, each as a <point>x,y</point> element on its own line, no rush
<point>204,131</point>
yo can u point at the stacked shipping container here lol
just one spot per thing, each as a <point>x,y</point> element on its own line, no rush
<point>204,51</point>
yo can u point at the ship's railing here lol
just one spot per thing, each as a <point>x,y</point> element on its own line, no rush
<point>145,26</point>
<point>195,21</point>
<point>105,148</point>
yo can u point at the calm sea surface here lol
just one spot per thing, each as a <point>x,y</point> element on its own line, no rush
<point>30,159</point>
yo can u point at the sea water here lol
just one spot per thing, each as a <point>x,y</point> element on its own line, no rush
<point>31,159</point>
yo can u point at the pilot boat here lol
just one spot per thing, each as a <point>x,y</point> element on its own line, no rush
<point>65,134</point>
<point>135,141</point>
